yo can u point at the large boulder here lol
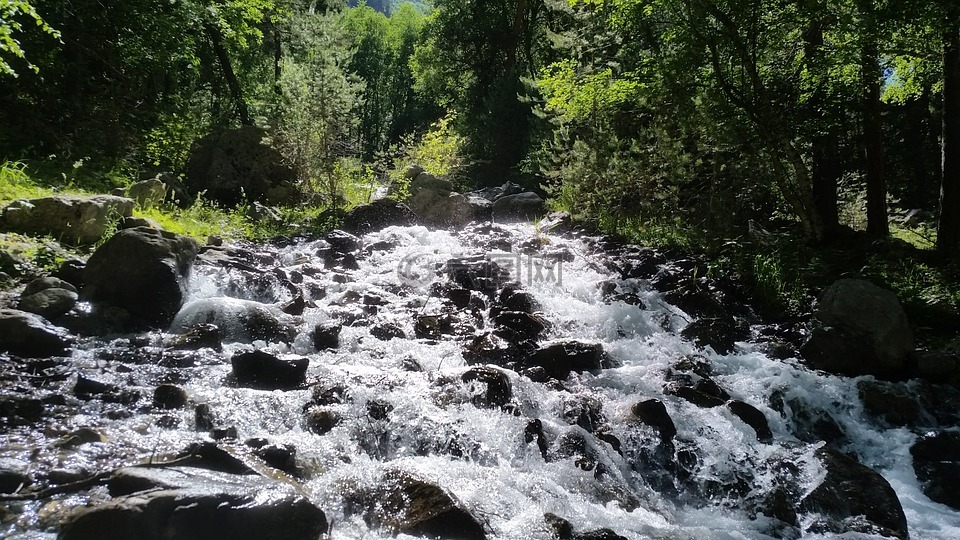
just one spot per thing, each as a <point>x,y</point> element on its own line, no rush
<point>238,320</point>
<point>854,497</point>
<point>148,193</point>
<point>196,504</point>
<point>439,208</point>
<point>520,207</point>
<point>377,215</point>
<point>143,271</point>
<point>26,334</point>
<point>236,165</point>
<point>936,462</point>
<point>864,331</point>
<point>76,220</point>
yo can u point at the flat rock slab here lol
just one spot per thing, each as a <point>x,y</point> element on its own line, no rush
<point>196,504</point>
<point>77,220</point>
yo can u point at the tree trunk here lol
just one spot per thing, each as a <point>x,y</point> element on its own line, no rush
<point>216,41</point>
<point>948,229</point>
<point>519,21</point>
<point>877,221</point>
<point>825,165</point>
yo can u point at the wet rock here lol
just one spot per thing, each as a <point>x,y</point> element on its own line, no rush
<point>410,505</point>
<point>721,334</point>
<point>563,530</point>
<point>753,417</point>
<point>865,331</point>
<point>259,369</point>
<point>937,366</point>
<point>169,396</point>
<point>143,271</point>
<point>936,462</point>
<point>379,409</point>
<point>518,326</point>
<point>12,481</point>
<point>75,220</point>
<point>377,215</point>
<point>283,458</point>
<point>343,242</point>
<point>321,420</point>
<point>855,498</point>
<point>653,413</point>
<point>704,392</point>
<point>327,336</point>
<point>695,396</point>
<point>19,411</point>
<point>489,348</point>
<point>561,359</point>
<point>583,410</point>
<point>203,417</point>
<point>432,326</point>
<point>90,387</point>
<point>196,504</point>
<point>459,297</point>
<point>197,337</point>
<point>32,336</point>
<point>890,402</point>
<point>476,274</point>
<point>498,390</point>
<point>533,432</point>
<point>387,331</point>
<point>238,320</point>
<point>80,437</point>
<point>514,299</point>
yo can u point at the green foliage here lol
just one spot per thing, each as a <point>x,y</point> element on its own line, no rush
<point>317,111</point>
<point>440,152</point>
<point>10,13</point>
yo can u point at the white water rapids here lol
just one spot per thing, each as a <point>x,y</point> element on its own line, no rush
<point>498,476</point>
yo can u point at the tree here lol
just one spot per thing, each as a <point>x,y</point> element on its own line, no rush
<point>10,13</point>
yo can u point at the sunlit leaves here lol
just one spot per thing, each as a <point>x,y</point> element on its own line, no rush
<point>12,12</point>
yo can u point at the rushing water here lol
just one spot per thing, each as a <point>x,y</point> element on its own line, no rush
<point>480,454</point>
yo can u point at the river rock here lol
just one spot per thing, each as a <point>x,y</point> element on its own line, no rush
<point>653,413</point>
<point>854,498</point>
<point>48,297</point>
<point>196,504</point>
<point>236,165</point>
<point>498,390</point>
<point>411,505</point>
<point>239,320</point>
<point>76,220</point>
<point>561,359</point>
<point>343,242</point>
<point>32,336</point>
<point>259,369</point>
<point>517,326</point>
<point>936,462</point>
<point>169,396</point>
<point>865,331</point>
<point>443,209</point>
<point>720,334</point>
<point>327,336</point>
<point>520,207</point>
<point>143,271</point>
<point>753,417</point>
<point>197,337</point>
<point>377,215</point>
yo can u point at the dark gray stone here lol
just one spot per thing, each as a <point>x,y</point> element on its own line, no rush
<point>143,271</point>
<point>196,504</point>
<point>29,335</point>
